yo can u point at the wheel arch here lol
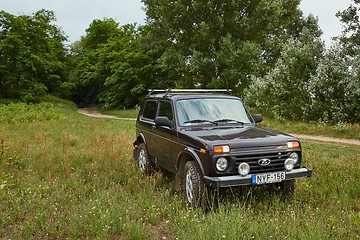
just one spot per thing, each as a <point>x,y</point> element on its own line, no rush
<point>140,139</point>
<point>189,154</point>
<point>186,155</point>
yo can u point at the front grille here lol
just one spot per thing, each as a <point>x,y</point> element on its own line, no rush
<point>277,159</point>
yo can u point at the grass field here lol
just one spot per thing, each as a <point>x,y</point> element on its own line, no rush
<point>126,113</point>
<point>65,175</point>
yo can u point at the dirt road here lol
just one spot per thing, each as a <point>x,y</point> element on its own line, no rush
<point>94,112</point>
<point>326,139</point>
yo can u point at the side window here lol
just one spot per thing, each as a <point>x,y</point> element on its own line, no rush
<point>150,110</point>
<point>165,110</point>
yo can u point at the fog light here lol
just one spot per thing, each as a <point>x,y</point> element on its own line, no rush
<point>244,169</point>
<point>289,164</point>
<point>221,164</point>
<point>295,157</point>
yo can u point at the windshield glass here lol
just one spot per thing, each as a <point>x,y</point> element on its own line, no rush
<point>211,111</point>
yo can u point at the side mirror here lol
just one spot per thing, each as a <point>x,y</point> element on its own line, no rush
<point>257,118</point>
<point>163,121</point>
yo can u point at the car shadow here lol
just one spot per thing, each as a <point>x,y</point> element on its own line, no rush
<point>241,196</point>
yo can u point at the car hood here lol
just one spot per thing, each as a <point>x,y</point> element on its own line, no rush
<point>236,137</point>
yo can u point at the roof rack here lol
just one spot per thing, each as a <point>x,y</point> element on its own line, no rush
<point>188,91</point>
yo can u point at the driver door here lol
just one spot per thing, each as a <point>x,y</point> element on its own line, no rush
<point>163,137</point>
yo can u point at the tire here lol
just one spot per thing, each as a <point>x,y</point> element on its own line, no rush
<point>287,187</point>
<point>194,186</point>
<point>143,160</point>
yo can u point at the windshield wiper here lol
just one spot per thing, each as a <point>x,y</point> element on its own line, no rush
<point>225,120</point>
<point>200,121</point>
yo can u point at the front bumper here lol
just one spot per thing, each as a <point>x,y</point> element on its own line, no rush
<point>234,181</point>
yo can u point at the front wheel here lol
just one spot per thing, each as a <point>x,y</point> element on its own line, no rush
<point>144,163</point>
<point>194,186</point>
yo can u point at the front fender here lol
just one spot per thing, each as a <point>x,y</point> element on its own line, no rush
<point>140,138</point>
<point>190,152</point>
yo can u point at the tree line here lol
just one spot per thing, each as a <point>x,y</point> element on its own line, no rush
<point>268,52</point>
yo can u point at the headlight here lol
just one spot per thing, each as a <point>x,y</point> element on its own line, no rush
<point>244,169</point>
<point>221,164</point>
<point>289,164</point>
<point>295,157</point>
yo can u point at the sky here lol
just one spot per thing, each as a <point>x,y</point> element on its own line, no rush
<point>74,16</point>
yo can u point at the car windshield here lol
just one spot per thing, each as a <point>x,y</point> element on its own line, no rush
<point>211,111</point>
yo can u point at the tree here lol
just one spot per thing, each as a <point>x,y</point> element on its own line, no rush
<point>335,89</point>
<point>32,59</point>
<point>130,69</point>
<point>351,28</point>
<point>284,91</point>
<point>192,39</point>
<point>90,72</point>
<point>112,68</point>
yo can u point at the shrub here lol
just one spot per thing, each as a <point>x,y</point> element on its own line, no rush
<point>14,113</point>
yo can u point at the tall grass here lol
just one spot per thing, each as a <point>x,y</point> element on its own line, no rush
<point>125,113</point>
<point>71,176</point>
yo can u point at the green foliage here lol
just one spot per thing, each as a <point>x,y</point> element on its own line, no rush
<point>99,32</point>
<point>237,60</point>
<point>309,84</point>
<point>59,102</point>
<point>350,39</point>
<point>32,60</point>
<point>113,70</point>
<point>335,89</point>
<point>89,73</point>
<point>17,113</point>
<point>191,39</point>
<point>264,50</point>
<point>129,70</point>
<point>283,92</point>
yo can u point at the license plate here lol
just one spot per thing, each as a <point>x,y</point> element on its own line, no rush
<point>268,178</point>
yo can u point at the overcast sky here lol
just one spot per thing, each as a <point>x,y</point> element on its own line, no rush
<point>74,16</point>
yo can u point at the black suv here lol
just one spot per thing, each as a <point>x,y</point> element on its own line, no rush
<point>208,139</point>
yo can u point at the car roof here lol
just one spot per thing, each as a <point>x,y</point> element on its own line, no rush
<point>177,94</point>
<point>189,96</point>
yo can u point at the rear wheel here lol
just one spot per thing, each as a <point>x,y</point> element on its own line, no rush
<point>194,186</point>
<point>144,163</point>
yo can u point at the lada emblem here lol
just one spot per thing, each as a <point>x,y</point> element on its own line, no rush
<point>264,162</point>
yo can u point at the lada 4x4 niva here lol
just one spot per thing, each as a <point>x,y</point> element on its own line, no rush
<point>208,139</point>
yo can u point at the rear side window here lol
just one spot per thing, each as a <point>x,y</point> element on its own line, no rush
<point>150,108</point>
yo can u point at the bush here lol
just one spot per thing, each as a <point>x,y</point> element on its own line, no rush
<point>14,113</point>
<point>58,101</point>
